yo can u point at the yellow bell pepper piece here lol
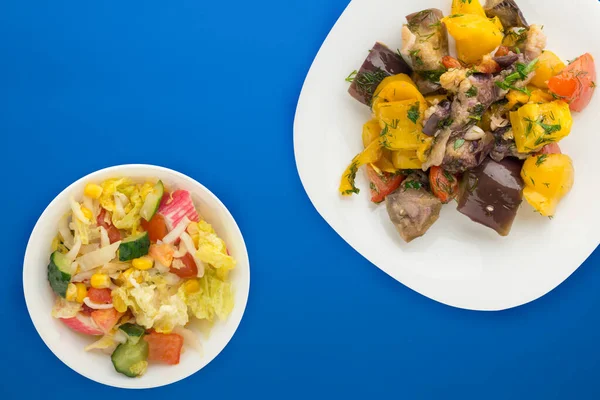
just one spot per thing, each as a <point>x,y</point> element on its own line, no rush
<point>370,132</point>
<point>467,7</point>
<point>475,36</point>
<point>515,97</point>
<point>369,155</point>
<point>406,159</point>
<point>395,88</point>
<point>548,178</point>
<point>548,65</point>
<point>535,125</point>
<point>496,21</point>
<point>401,124</point>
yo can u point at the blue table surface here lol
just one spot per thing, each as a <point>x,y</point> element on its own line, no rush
<point>211,90</point>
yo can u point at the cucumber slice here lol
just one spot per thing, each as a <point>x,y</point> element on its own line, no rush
<point>60,271</point>
<point>130,358</point>
<point>134,332</point>
<point>134,246</point>
<point>152,201</point>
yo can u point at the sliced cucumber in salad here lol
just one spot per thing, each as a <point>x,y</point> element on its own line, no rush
<point>134,332</point>
<point>134,246</point>
<point>131,359</point>
<point>152,201</point>
<point>60,271</point>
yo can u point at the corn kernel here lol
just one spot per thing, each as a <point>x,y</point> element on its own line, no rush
<point>191,286</point>
<point>119,304</point>
<point>142,263</point>
<point>100,281</point>
<point>92,190</point>
<point>81,292</point>
<point>87,213</point>
<point>71,292</point>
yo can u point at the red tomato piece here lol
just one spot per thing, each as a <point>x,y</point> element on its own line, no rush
<point>444,185</point>
<point>114,235</point>
<point>551,148</point>
<point>164,347</point>
<point>451,62</point>
<point>86,310</point>
<point>100,296</point>
<point>382,184</point>
<point>106,319</point>
<point>156,227</point>
<point>576,83</point>
<point>502,51</point>
<point>184,267</point>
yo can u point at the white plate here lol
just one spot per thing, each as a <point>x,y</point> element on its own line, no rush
<point>68,346</point>
<point>457,262</point>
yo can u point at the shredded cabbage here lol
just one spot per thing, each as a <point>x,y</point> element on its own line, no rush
<point>152,304</point>
<point>65,309</point>
<point>65,231</point>
<point>99,257</point>
<point>215,297</point>
<point>211,249</point>
<point>106,343</point>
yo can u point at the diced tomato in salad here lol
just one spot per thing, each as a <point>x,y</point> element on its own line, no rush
<point>164,347</point>
<point>184,267</point>
<point>576,83</point>
<point>156,227</point>
<point>100,296</point>
<point>114,235</point>
<point>106,319</point>
<point>382,184</point>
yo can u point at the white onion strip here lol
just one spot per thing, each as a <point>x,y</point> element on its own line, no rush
<point>104,240</point>
<point>72,254</point>
<point>96,306</point>
<point>77,213</point>
<point>65,232</point>
<point>177,231</point>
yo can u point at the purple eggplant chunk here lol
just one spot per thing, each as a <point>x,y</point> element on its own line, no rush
<point>507,11</point>
<point>379,64</point>
<point>413,209</point>
<point>462,154</point>
<point>491,194</point>
<point>436,121</point>
<point>507,60</point>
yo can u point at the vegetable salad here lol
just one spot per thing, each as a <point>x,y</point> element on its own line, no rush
<point>133,264</point>
<point>481,128</point>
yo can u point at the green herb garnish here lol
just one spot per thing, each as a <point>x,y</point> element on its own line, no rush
<point>413,113</point>
<point>350,78</point>
<point>541,159</point>
<point>472,92</point>
<point>458,143</point>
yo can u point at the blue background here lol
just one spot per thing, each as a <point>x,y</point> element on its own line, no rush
<point>210,89</point>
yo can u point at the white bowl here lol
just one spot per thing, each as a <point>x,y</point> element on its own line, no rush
<point>68,346</point>
<point>458,262</point>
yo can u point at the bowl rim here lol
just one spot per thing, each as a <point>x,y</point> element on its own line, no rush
<point>115,169</point>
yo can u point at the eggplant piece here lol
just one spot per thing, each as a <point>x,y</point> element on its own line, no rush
<point>507,60</point>
<point>379,64</point>
<point>412,209</point>
<point>504,145</point>
<point>507,11</point>
<point>491,194</point>
<point>462,154</point>
<point>438,118</point>
<point>424,43</point>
